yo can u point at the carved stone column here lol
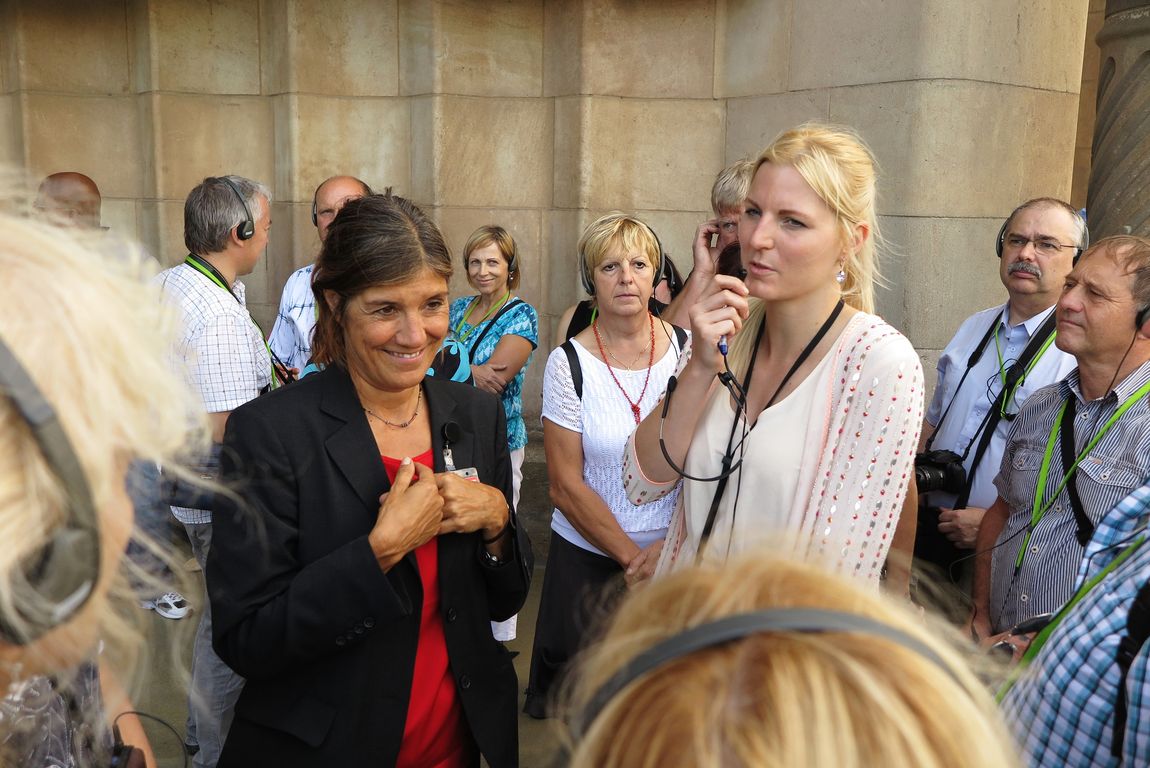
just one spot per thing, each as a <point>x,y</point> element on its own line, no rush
<point>1118,199</point>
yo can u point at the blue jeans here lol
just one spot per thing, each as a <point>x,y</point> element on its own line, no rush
<point>215,688</point>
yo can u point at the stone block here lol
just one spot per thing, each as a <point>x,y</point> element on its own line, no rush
<point>330,47</point>
<point>961,148</point>
<point>197,136</point>
<point>321,136</point>
<point>1036,43</point>
<point>653,50</point>
<point>11,131</point>
<point>472,49</point>
<point>161,227</point>
<point>473,151</point>
<point>753,122</point>
<point>562,48</point>
<point>948,272</point>
<point>632,154</point>
<point>95,135</point>
<point>121,217</point>
<point>197,47</point>
<point>95,59</point>
<point>293,243</point>
<point>9,53</point>
<point>457,224</point>
<point>1082,165</point>
<point>561,230</point>
<point>752,47</point>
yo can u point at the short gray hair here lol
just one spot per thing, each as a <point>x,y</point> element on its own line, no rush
<point>213,210</point>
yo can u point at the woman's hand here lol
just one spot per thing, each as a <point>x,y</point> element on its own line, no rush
<point>490,377</point>
<point>719,312</point>
<point>409,514</point>
<point>642,565</point>
<point>471,506</point>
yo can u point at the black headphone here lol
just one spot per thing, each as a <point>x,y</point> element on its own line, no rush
<point>737,627</point>
<point>246,229</point>
<point>1141,318</point>
<point>585,272</point>
<point>53,583</point>
<point>1000,241</point>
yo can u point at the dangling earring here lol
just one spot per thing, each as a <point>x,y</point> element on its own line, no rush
<point>841,277</point>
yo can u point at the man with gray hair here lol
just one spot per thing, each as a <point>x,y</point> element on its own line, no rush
<point>226,223</point>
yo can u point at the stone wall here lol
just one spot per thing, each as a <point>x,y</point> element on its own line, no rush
<point>542,114</point>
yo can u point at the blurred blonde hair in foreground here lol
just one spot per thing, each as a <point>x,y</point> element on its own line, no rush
<point>78,313</point>
<point>782,698</point>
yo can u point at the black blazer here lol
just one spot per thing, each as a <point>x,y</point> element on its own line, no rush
<point>300,606</point>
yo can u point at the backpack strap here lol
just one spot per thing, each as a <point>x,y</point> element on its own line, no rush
<point>491,323</point>
<point>680,336</point>
<point>1137,632</point>
<point>576,369</point>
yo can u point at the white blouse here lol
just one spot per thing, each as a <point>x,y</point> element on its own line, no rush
<point>825,470</point>
<point>605,420</point>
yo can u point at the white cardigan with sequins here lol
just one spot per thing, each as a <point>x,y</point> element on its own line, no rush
<point>846,513</point>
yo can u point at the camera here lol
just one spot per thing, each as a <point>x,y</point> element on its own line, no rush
<point>939,471</point>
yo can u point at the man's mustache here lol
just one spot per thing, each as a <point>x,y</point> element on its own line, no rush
<point>1024,266</point>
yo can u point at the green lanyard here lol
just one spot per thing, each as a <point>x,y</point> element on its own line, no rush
<point>1040,508</point>
<point>212,274</point>
<point>1009,396</point>
<point>463,320</point>
<point>1044,635</point>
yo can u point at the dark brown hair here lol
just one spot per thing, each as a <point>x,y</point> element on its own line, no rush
<point>374,240</point>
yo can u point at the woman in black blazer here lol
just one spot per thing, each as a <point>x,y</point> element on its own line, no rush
<point>358,607</point>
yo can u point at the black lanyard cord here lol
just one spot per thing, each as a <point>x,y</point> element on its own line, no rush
<point>975,356</point>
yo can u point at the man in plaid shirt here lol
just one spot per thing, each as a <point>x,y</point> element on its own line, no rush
<point>1062,710</point>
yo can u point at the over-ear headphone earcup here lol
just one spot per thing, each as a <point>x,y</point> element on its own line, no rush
<point>585,276</point>
<point>1141,318</point>
<point>314,215</point>
<point>1000,240</point>
<point>246,230</point>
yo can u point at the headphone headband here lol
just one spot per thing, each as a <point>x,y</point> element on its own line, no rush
<point>1083,242</point>
<point>58,579</point>
<point>660,272</point>
<point>246,229</point>
<point>737,627</point>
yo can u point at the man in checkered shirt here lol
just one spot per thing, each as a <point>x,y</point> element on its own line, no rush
<point>226,223</point>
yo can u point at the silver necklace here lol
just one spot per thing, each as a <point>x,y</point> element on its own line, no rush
<point>403,425</point>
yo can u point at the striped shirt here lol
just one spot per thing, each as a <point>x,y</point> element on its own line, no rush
<point>290,339</point>
<point>221,349</point>
<point>1062,710</point>
<point>1118,464</point>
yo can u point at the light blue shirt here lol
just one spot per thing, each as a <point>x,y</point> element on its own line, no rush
<point>981,387</point>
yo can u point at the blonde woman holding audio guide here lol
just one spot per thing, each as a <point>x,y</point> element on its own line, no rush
<point>806,432</point>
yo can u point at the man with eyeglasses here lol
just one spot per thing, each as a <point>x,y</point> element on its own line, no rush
<point>969,416</point>
<point>1076,448</point>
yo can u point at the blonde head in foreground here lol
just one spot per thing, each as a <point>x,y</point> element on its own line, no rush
<point>94,337</point>
<point>782,699</point>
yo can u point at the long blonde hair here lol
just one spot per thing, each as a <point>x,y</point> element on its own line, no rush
<point>95,337</point>
<point>840,168</point>
<point>782,699</point>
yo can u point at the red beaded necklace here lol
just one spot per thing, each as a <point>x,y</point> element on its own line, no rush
<point>650,362</point>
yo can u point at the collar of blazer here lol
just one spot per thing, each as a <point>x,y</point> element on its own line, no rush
<point>351,445</point>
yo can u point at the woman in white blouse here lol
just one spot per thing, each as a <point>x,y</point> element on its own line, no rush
<point>816,423</point>
<point>623,361</point>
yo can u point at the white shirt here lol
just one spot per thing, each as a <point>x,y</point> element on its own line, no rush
<point>221,348</point>
<point>605,421</point>
<point>290,339</point>
<point>981,387</point>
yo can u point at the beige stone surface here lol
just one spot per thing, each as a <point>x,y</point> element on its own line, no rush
<point>197,136</point>
<point>319,136</point>
<point>95,59</point>
<point>562,48</point>
<point>561,230</point>
<point>9,57</point>
<point>197,47</point>
<point>1036,43</point>
<point>161,230</point>
<point>638,154</point>
<point>293,243</point>
<point>11,133</point>
<point>651,50</point>
<point>122,217</point>
<point>330,47</point>
<point>474,49</point>
<point>96,135</point>
<point>959,148</point>
<point>949,272</point>
<point>480,151</point>
<point>752,47</point>
<point>754,121</point>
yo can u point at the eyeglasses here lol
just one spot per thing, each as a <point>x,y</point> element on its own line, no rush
<point>1044,247</point>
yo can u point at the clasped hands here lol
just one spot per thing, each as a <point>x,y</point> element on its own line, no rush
<point>423,504</point>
